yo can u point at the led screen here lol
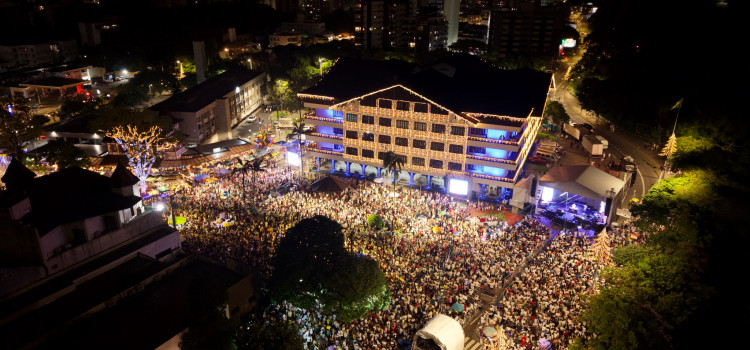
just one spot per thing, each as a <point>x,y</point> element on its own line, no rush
<point>547,194</point>
<point>459,187</point>
<point>292,159</point>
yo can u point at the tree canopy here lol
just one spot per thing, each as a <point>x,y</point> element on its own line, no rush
<point>65,154</point>
<point>18,125</point>
<point>312,267</point>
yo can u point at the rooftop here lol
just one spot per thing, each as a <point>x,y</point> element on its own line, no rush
<point>70,195</point>
<point>205,93</point>
<point>461,83</point>
<point>54,82</point>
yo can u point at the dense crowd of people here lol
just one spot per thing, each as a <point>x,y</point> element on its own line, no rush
<point>433,252</point>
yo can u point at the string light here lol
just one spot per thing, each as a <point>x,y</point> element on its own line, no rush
<point>141,148</point>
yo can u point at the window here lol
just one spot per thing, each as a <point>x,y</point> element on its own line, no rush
<point>384,139</point>
<point>401,158</point>
<point>350,117</point>
<point>388,104</point>
<point>454,166</point>
<point>458,149</point>
<point>417,161</point>
<point>473,149</point>
<point>458,130</point>
<point>368,136</point>
<point>476,131</point>
<point>472,167</point>
<point>419,144</point>
<point>420,107</point>
<point>402,141</point>
<point>368,119</point>
<point>437,164</point>
<point>384,122</point>
<point>381,155</point>
<point>368,153</point>
<point>402,105</point>
<point>351,134</point>
<point>437,146</point>
<point>438,128</point>
<point>402,124</point>
<point>419,126</point>
<point>338,131</point>
<point>351,151</point>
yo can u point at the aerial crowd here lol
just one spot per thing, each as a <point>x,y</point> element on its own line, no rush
<point>433,251</point>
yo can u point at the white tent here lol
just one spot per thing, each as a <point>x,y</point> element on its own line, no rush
<point>442,331</point>
<point>583,180</point>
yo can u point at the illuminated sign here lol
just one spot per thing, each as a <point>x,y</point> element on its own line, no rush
<point>459,187</point>
<point>292,159</point>
<point>568,43</point>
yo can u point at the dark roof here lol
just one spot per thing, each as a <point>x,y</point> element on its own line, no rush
<point>55,82</point>
<point>122,177</point>
<point>70,195</point>
<point>328,184</point>
<point>17,175</point>
<point>155,314</point>
<point>461,83</point>
<point>203,94</point>
<point>80,125</point>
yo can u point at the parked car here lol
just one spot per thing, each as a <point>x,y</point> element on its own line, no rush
<point>587,126</point>
<point>252,118</point>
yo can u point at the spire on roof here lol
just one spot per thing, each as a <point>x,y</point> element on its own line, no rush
<point>17,175</point>
<point>122,177</point>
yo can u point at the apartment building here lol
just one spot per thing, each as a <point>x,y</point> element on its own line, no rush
<point>460,123</point>
<point>209,110</point>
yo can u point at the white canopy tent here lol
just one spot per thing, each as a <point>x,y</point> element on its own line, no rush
<point>583,180</point>
<point>443,331</point>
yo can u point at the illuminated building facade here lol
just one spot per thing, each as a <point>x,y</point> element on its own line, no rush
<point>460,119</point>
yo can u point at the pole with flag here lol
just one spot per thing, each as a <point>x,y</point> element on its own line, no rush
<point>671,145</point>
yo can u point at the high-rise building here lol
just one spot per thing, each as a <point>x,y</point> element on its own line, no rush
<point>451,9</point>
<point>459,120</point>
<point>369,24</point>
<point>527,27</point>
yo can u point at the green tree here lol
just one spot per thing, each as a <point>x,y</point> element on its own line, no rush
<point>555,112</point>
<point>65,154</point>
<point>311,267</point>
<point>274,336</point>
<point>392,163</point>
<point>154,82</point>
<point>359,287</point>
<point>306,259</point>
<point>375,221</point>
<point>130,95</point>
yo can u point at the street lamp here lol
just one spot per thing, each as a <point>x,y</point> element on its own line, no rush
<point>320,60</point>
<point>250,61</point>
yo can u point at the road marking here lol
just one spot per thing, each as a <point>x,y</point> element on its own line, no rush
<point>471,344</point>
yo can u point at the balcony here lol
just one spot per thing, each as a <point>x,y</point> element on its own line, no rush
<point>313,119</point>
<point>493,162</point>
<point>318,137</point>
<point>324,153</point>
<point>477,141</point>
<point>491,180</point>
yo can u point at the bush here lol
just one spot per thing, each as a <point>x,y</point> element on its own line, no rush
<point>375,221</point>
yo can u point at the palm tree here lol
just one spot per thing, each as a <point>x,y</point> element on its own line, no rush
<point>254,166</point>
<point>299,130</point>
<point>392,162</point>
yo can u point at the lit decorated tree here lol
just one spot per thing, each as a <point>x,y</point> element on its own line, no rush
<point>671,147</point>
<point>141,147</point>
<point>601,250</point>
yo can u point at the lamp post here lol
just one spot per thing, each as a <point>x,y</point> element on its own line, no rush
<point>320,60</point>
<point>250,62</point>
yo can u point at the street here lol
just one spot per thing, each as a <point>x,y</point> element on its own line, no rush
<point>621,143</point>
